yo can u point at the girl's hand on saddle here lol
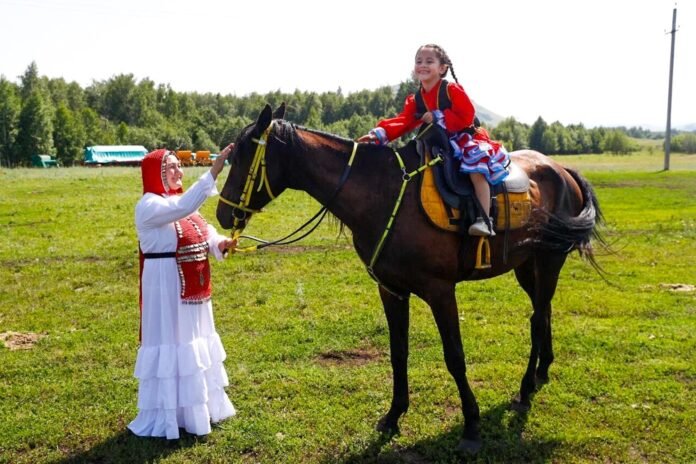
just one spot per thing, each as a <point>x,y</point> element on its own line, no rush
<point>427,117</point>
<point>219,163</point>
<point>368,138</point>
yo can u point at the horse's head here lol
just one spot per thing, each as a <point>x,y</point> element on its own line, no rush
<point>255,172</point>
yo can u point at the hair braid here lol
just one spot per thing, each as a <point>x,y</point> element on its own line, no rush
<point>443,57</point>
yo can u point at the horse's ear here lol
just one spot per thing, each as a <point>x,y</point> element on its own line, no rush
<point>279,113</point>
<point>264,119</point>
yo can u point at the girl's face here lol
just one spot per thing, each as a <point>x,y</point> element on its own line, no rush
<point>428,67</point>
<point>172,168</point>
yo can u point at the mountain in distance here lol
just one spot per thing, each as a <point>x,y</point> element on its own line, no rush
<point>487,116</point>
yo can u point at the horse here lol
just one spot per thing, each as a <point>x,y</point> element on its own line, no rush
<point>359,184</point>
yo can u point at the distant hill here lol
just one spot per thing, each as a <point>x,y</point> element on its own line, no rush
<point>487,116</point>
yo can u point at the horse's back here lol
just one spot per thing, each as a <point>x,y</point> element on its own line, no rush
<point>551,181</point>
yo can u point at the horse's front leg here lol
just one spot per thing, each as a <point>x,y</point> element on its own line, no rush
<point>396,311</point>
<point>444,307</point>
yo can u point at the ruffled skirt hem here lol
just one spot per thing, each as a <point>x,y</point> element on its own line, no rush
<point>193,419</point>
<point>181,387</point>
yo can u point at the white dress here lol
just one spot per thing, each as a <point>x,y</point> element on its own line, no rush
<point>179,363</point>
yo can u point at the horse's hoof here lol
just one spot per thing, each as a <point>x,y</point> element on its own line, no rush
<point>518,406</point>
<point>384,426</point>
<point>469,446</point>
<point>541,380</point>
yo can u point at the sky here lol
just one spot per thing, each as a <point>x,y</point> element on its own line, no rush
<point>595,62</point>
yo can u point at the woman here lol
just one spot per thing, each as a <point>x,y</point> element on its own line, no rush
<point>179,362</point>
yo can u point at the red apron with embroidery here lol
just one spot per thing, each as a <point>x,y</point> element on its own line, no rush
<point>192,259</point>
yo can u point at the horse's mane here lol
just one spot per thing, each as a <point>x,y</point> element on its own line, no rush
<point>287,131</point>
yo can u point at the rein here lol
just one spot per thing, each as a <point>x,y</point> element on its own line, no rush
<point>245,198</point>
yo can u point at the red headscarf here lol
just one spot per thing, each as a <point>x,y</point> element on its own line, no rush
<point>154,173</point>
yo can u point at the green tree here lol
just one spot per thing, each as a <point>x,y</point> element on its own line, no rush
<point>202,141</point>
<point>30,81</point>
<point>9,117</point>
<point>618,142</point>
<point>35,133</point>
<point>513,134</point>
<point>684,142</point>
<point>98,130</point>
<point>118,96</point>
<point>143,104</point>
<point>68,136</point>
<point>597,136</point>
<point>122,133</point>
<point>549,142</point>
<point>536,135</point>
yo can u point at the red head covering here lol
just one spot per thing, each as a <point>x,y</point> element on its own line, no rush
<point>154,173</point>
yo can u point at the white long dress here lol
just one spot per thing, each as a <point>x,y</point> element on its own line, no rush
<point>179,363</point>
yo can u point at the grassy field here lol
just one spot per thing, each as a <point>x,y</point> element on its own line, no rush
<point>307,342</point>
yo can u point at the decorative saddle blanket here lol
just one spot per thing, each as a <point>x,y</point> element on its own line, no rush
<point>447,197</point>
<point>192,259</point>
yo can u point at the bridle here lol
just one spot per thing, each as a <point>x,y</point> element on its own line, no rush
<point>259,162</point>
<point>241,209</point>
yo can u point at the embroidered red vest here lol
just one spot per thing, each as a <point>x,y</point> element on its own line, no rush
<point>192,259</point>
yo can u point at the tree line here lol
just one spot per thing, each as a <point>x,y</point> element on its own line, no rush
<point>39,115</point>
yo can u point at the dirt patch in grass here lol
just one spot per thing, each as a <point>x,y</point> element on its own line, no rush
<point>679,287</point>
<point>20,341</point>
<point>356,357</point>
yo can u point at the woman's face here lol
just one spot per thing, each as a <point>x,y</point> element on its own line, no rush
<point>174,174</point>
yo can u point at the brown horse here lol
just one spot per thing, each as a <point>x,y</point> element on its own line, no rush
<point>359,184</point>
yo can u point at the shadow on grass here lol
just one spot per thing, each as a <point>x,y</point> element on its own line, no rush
<point>126,447</point>
<point>502,433</point>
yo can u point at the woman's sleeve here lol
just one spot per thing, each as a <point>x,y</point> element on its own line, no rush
<point>461,114</point>
<point>402,123</point>
<point>163,210</point>
<point>214,240</point>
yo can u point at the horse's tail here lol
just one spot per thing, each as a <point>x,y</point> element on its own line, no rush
<point>566,233</point>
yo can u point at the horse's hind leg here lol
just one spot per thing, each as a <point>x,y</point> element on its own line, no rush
<point>538,277</point>
<point>396,311</point>
<point>444,307</point>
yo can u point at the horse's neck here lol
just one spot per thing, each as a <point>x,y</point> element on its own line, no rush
<point>359,197</point>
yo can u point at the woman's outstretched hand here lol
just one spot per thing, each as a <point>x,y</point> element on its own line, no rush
<point>219,163</point>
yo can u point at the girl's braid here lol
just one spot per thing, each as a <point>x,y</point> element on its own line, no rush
<point>444,58</point>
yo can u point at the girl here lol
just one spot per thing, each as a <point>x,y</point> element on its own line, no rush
<point>448,105</point>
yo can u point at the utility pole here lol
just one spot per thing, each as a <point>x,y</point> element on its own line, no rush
<point>668,132</point>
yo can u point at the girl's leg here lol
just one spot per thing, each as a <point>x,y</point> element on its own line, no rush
<point>483,191</point>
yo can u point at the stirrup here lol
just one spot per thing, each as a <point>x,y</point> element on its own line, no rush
<point>483,254</point>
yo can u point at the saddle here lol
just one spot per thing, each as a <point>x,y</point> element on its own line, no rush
<point>447,195</point>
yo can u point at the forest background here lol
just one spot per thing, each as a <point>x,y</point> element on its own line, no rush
<point>41,115</point>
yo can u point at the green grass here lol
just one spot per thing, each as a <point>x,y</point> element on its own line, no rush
<point>307,342</point>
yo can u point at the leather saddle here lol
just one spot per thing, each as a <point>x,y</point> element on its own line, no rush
<point>455,187</point>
